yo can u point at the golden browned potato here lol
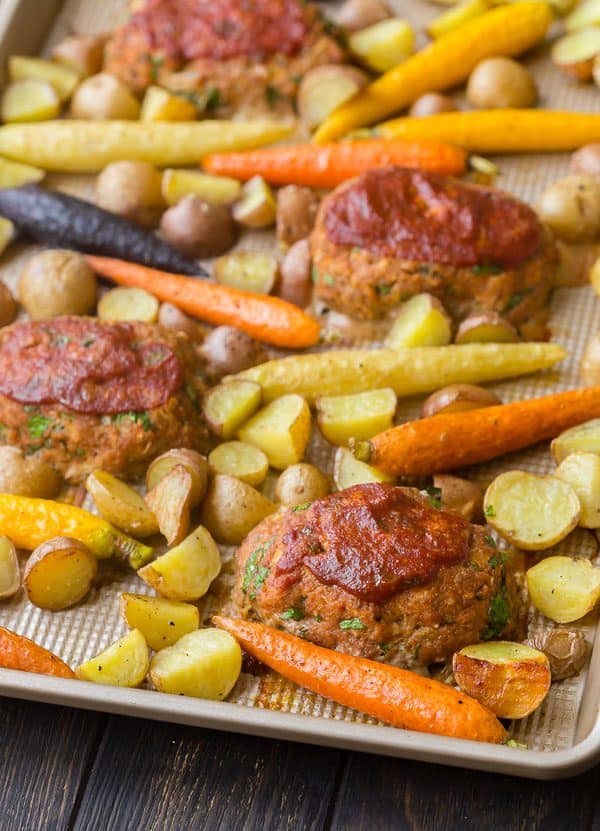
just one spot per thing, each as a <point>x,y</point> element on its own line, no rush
<point>571,207</point>
<point>101,97</point>
<point>171,317</point>
<point>131,190</point>
<point>566,649</point>
<point>56,283</point>
<point>62,78</point>
<point>460,496</point>
<point>564,589</point>
<point>348,471</point>
<point>589,368</point>
<point>501,82</point>
<point>120,504</point>
<point>325,88</point>
<point>487,327</point>
<point>169,501</point>
<point>162,622</point>
<point>59,573</point>
<point>583,438</point>
<point>161,105</point>
<point>191,460</point>
<point>122,664</point>
<point>186,571</point>
<point>301,483</point>
<point>27,475</point>
<point>232,508</point>
<point>456,398</point>
<point>432,103</point>
<point>227,350</point>
<point>574,53</point>
<point>227,406</point>
<point>256,207</point>
<point>511,679</point>
<point>197,228</point>
<point>10,575</point>
<point>176,183</point>
<point>359,416</point>
<point>244,461</point>
<point>294,284</point>
<point>296,213</point>
<point>8,305</point>
<point>586,160</point>
<point>358,14</point>
<point>247,270</point>
<point>281,430</point>
<point>7,233</point>
<point>82,53</point>
<point>421,321</point>
<point>383,45</point>
<point>29,100</point>
<point>582,472</point>
<point>128,303</point>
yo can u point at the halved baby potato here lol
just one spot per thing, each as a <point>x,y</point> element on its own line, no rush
<point>348,471</point>
<point>325,88</point>
<point>585,14</point>
<point>582,472</point>
<point>359,416</point>
<point>456,16</point>
<point>487,327</point>
<point>233,508</point>
<point>460,496</point>
<point>301,483</point>
<point>29,100</point>
<point>128,303</point>
<point>204,664</point>
<point>192,461</point>
<point>8,232</point>
<point>281,430</point>
<point>15,174</point>
<point>244,461</point>
<point>10,576</point>
<point>574,53</point>
<point>161,105</point>
<point>383,45</point>
<point>122,664</point>
<point>161,622</point>
<point>584,437</point>
<point>257,207</point>
<point>61,77</point>
<point>227,406</point>
<point>564,589</point>
<point>186,571</point>
<point>456,398</point>
<point>510,679</point>
<point>532,512</point>
<point>219,190</point>
<point>421,321</point>
<point>247,270</point>
<point>169,501</point>
<point>59,573</point>
<point>120,504</point>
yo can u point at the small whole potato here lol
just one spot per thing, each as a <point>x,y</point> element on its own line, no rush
<point>294,283</point>
<point>132,190</point>
<point>57,282</point>
<point>566,649</point>
<point>501,82</point>
<point>171,317</point>
<point>301,483</point>
<point>228,350</point>
<point>27,475</point>
<point>460,496</point>
<point>103,97</point>
<point>8,305</point>
<point>432,103</point>
<point>198,228</point>
<point>296,213</point>
<point>82,53</point>
<point>571,207</point>
<point>358,14</point>
<point>586,160</point>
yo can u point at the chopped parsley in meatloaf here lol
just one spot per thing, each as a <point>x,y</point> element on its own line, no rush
<point>83,394</point>
<point>377,571</point>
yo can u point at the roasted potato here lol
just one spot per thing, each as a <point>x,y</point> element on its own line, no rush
<point>421,321</point>
<point>359,416</point>
<point>131,190</point>
<point>432,103</point>
<point>198,228</point>
<point>102,97</point>
<point>256,207</point>
<point>586,13</point>
<point>248,270</point>
<point>295,284</point>
<point>296,213</point>
<point>348,471</point>
<point>244,461</point>
<point>186,571</point>
<point>383,45</point>
<point>7,233</point>
<point>582,472</point>
<point>460,496</point>
<point>27,475</point>
<point>586,160</point>
<point>62,78</point>
<point>281,430</point>
<point>123,664</point>
<point>510,679</point>
<point>218,190</point>
<point>161,622</point>
<point>29,100</point>
<point>125,303</point>
<point>120,504</point>
<point>571,207</point>
<point>81,53</point>
<point>460,13</point>
<point>232,508</point>
<point>457,398</point>
<point>171,317</point>
<point>566,649</point>
<point>358,14</point>
<point>325,88</point>
<point>487,327</point>
<point>169,501</point>
<point>589,368</point>
<point>191,460</point>
<point>161,105</point>
<point>595,276</point>
<point>8,306</point>
<point>301,483</point>
<point>501,83</point>
<point>203,664</point>
<point>532,512</point>
<point>227,406</point>
<point>227,350</point>
<point>584,438</point>
<point>57,282</point>
<point>10,575</point>
<point>15,174</point>
<point>564,589</point>
<point>574,53</point>
<point>59,573</point>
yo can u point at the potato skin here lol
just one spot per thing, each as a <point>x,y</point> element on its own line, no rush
<point>358,14</point>
<point>8,306</point>
<point>460,496</point>
<point>294,283</point>
<point>171,317</point>
<point>566,649</point>
<point>571,207</point>
<point>27,475</point>
<point>131,190</point>
<point>432,103</point>
<point>301,483</point>
<point>457,397</point>
<point>198,228</point>
<point>228,350</point>
<point>296,213</point>
<point>586,160</point>
<point>232,509</point>
<point>102,97</point>
<point>57,282</point>
<point>72,594</point>
<point>501,82</point>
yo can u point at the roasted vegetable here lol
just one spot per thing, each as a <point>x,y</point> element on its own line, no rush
<point>421,321</point>
<point>501,83</point>
<point>348,471</point>
<point>566,649</point>
<point>456,398</point>
<point>232,509</point>
<point>10,576</point>
<point>56,283</point>
<point>254,271</point>
<point>104,97</point>
<point>220,190</point>
<point>29,100</point>
<point>460,496</point>
<point>256,208</point>
<point>358,14</point>
<point>65,221</point>
<point>582,472</point>
<point>301,483</point>
<point>161,105</point>
<point>62,78</point>
<point>432,103</point>
<point>383,45</point>
<point>27,475</point>
<point>324,88</point>
<point>460,13</point>
<point>359,416</point>
<point>584,438</point>
<point>227,406</point>
<point>161,622</point>
<point>169,501</point>
<point>198,228</point>
<point>571,207</point>
<point>123,664</point>
<point>8,306</point>
<point>81,53</point>
<point>120,504</point>
<point>18,652</point>
<point>131,190</point>
<point>14,174</point>
<point>7,234</point>
<point>227,350</point>
<point>59,573</point>
<point>244,461</point>
<point>281,430</point>
<point>294,283</point>
<point>128,304</point>
<point>195,464</point>
<point>296,213</point>
<point>564,589</point>
<point>574,53</point>
<point>487,327</point>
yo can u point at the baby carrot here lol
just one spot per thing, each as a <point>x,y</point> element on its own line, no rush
<point>269,319</point>
<point>448,441</point>
<point>327,165</point>
<point>397,696</point>
<point>18,652</point>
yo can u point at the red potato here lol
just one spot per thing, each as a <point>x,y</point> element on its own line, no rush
<point>59,573</point>
<point>456,398</point>
<point>294,284</point>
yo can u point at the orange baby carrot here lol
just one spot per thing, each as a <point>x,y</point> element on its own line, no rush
<point>268,319</point>
<point>394,695</point>
<point>327,165</point>
<point>450,440</point>
<point>18,652</point>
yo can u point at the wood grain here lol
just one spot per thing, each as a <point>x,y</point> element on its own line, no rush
<point>45,753</point>
<point>161,777</point>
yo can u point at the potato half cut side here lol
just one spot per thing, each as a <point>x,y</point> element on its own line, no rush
<point>220,190</point>
<point>421,321</point>
<point>62,78</point>
<point>227,406</point>
<point>384,44</point>
<point>360,416</point>
<point>123,664</point>
<point>59,573</point>
<point>169,501</point>
<point>348,471</point>
<point>257,207</point>
<point>511,679</point>
<point>244,461</point>
<point>125,303</point>
<point>248,270</point>
<point>161,622</point>
<point>564,589</point>
<point>281,430</point>
<point>203,664</point>
<point>532,512</point>
<point>584,437</point>
<point>10,576</point>
<point>120,505</point>
<point>192,461</point>
<point>582,472</point>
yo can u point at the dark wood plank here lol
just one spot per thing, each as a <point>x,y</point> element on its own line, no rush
<point>378,793</point>
<point>45,754</point>
<point>163,777</point>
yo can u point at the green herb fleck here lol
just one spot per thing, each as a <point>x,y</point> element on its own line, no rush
<point>385,647</point>
<point>37,425</point>
<point>515,299</point>
<point>405,295</point>
<point>486,269</point>
<point>156,61</point>
<point>450,291</point>
<point>490,541</point>
<point>314,275</point>
<point>498,615</point>
<point>489,510</point>
<point>328,280</point>
<point>424,270</point>
<point>61,340</point>
<point>302,507</point>
<point>80,451</point>
<point>88,342</point>
<point>318,618</point>
<point>192,395</point>
<point>435,496</point>
<point>384,289</point>
<point>139,418</point>
<point>292,614</point>
<point>515,743</point>
<point>352,623</point>
<point>498,559</point>
<point>255,574</point>
<point>272,95</point>
<point>213,99</point>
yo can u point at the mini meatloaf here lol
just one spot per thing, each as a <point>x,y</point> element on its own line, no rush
<point>393,232</point>
<point>376,571</point>
<point>83,394</point>
<point>223,54</point>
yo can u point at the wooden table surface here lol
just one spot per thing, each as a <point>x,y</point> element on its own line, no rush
<point>68,769</point>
